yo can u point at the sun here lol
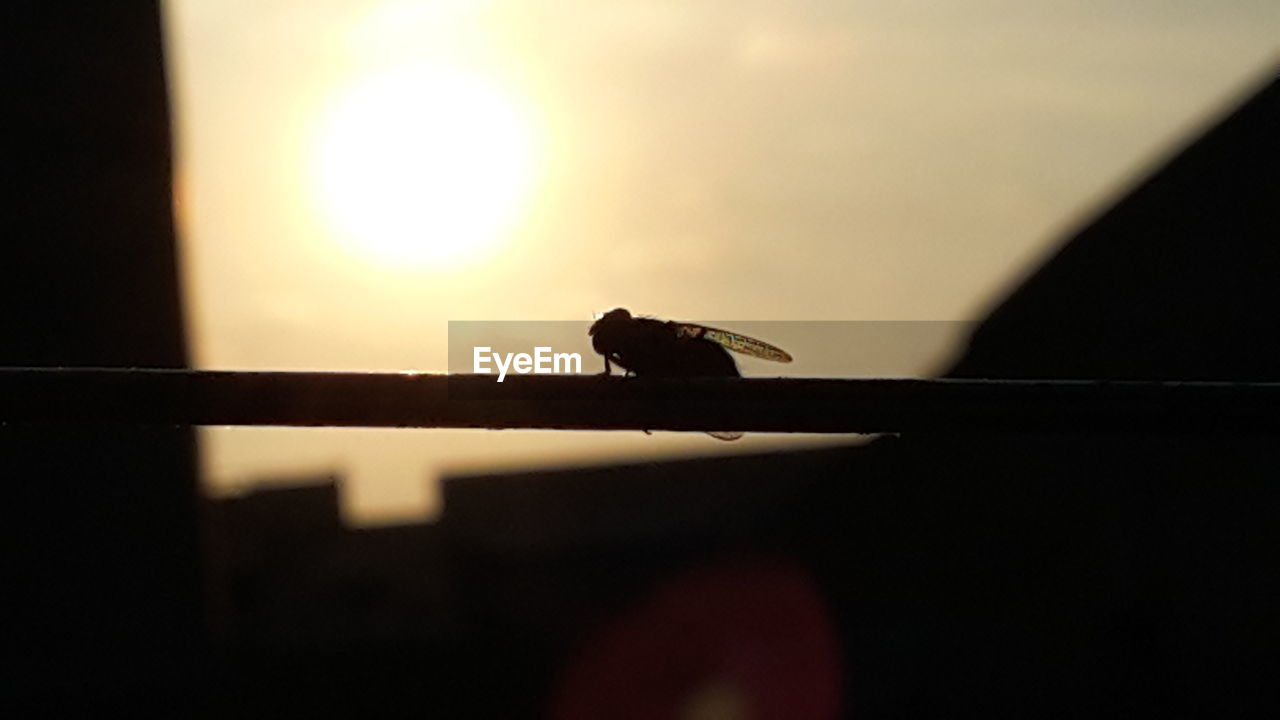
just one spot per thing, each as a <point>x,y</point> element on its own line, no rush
<point>422,166</point>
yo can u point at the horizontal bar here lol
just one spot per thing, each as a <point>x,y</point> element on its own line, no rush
<point>592,402</point>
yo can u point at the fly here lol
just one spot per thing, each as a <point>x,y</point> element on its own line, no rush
<point>649,347</point>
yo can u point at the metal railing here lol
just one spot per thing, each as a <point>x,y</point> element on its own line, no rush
<point>584,402</point>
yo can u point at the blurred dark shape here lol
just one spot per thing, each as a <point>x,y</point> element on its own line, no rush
<point>102,562</point>
<point>1178,280</point>
<point>89,267</point>
<point>1087,573</point>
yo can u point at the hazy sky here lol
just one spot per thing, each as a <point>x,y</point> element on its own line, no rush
<point>730,160</point>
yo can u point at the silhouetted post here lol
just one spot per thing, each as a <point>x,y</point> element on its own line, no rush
<point>102,569</point>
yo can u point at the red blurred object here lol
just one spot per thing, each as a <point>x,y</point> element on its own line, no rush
<point>739,640</point>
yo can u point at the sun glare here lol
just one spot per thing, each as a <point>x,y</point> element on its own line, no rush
<point>422,167</point>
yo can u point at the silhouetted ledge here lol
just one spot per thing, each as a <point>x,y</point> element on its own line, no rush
<point>587,402</point>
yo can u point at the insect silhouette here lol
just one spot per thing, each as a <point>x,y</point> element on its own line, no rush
<point>649,347</point>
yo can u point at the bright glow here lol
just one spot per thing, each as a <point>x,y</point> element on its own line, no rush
<point>422,166</point>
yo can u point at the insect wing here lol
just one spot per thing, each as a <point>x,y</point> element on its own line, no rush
<point>734,341</point>
<point>722,435</point>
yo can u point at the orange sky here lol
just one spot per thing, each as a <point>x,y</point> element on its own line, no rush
<point>829,160</point>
